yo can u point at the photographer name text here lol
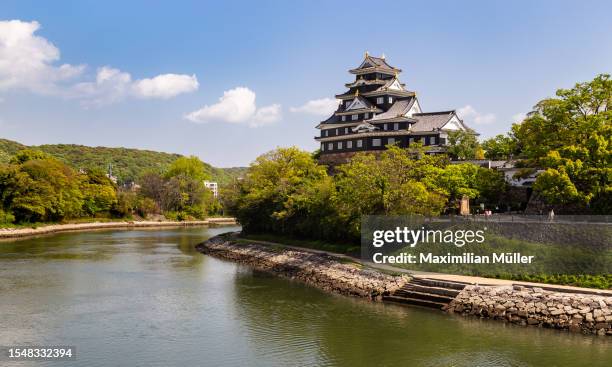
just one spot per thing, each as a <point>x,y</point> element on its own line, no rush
<point>465,258</point>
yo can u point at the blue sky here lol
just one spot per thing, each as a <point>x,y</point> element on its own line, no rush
<point>151,74</point>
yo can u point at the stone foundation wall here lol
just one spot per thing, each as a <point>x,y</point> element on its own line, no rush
<point>319,270</point>
<point>589,314</point>
<point>335,159</point>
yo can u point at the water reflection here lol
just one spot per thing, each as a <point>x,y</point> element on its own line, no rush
<point>290,322</point>
<point>147,298</point>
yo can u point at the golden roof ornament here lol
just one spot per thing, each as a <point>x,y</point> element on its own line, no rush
<point>356,92</point>
<point>383,56</point>
<point>367,54</point>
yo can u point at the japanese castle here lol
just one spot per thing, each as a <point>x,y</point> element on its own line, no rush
<point>376,111</point>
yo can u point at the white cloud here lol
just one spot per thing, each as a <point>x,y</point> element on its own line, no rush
<point>519,117</point>
<point>469,115</point>
<point>266,115</point>
<point>237,106</point>
<point>111,85</point>
<point>320,107</point>
<point>165,86</point>
<point>28,61</point>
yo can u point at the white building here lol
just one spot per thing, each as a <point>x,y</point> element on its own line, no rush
<point>212,186</point>
<point>508,168</point>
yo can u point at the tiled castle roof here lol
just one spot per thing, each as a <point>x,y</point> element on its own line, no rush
<point>399,108</point>
<point>431,121</point>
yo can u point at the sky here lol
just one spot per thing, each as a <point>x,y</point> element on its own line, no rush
<point>230,80</point>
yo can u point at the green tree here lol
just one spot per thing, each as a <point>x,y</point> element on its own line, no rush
<point>191,167</point>
<point>556,187</point>
<point>284,191</point>
<point>25,155</point>
<point>146,206</point>
<point>393,183</point>
<point>462,144</point>
<point>500,147</point>
<point>126,204</point>
<point>39,188</point>
<point>570,137</point>
<point>99,193</point>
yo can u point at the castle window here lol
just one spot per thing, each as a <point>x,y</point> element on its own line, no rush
<point>359,143</point>
<point>324,132</point>
<point>354,117</point>
<point>390,99</point>
<point>330,146</point>
<point>410,140</point>
<point>366,115</point>
<point>396,126</point>
<point>380,100</point>
<point>346,130</point>
<point>339,145</point>
<point>432,140</point>
<point>343,118</point>
<point>384,126</point>
<point>391,141</point>
<point>376,142</point>
<point>349,144</point>
<point>322,147</point>
<point>336,132</point>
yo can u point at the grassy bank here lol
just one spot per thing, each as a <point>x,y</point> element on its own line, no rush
<point>599,281</point>
<point>602,281</point>
<point>340,248</point>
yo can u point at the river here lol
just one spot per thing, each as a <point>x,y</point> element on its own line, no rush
<point>147,298</point>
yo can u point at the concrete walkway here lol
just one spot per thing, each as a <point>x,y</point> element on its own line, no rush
<point>447,277</point>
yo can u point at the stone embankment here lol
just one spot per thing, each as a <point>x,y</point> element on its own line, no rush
<point>55,228</point>
<point>586,313</point>
<point>317,269</point>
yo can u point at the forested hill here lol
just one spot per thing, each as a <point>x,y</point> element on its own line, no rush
<point>127,164</point>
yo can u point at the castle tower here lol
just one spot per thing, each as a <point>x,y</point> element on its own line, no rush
<point>376,111</point>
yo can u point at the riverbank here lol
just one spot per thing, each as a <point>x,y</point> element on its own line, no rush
<point>528,304</point>
<point>6,233</point>
<point>586,313</point>
<point>316,269</point>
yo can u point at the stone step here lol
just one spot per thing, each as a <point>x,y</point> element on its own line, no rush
<point>433,290</point>
<point>438,283</point>
<point>415,302</point>
<point>423,296</point>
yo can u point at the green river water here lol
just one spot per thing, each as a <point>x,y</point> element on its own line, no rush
<point>147,298</point>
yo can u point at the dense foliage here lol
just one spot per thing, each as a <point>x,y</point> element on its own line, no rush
<point>179,192</point>
<point>463,145</point>
<point>287,192</point>
<point>37,187</point>
<point>127,164</point>
<point>569,137</point>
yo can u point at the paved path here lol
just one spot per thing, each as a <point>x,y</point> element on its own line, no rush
<point>448,277</point>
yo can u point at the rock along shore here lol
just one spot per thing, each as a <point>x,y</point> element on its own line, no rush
<point>586,313</point>
<point>56,228</point>
<point>317,269</point>
<point>522,305</point>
